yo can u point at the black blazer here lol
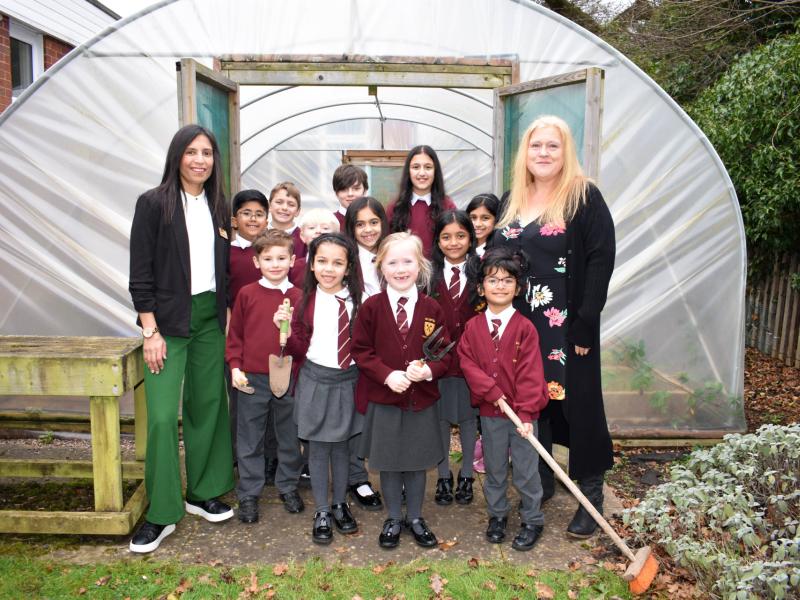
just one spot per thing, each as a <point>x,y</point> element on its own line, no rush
<point>160,277</point>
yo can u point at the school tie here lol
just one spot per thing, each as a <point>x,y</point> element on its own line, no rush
<point>496,333</point>
<point>344,335</point>
<point>455,283</point>
<point>402,316</point>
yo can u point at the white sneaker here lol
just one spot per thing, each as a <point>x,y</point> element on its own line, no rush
<point>213,510</point>
<point>149,537</point>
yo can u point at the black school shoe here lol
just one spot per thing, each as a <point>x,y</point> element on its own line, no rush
<point>292,502</point>
<point>496,532</point>
<point>372,501</point>
<point>214,510</point>
<point>527,537</point>
<point>464,489</point>
<point>422,533</point>
<point>322,532</point>
<point>149,537</point>
<point>248,509</point>
<point>390,534</point>
<point>343,518</point>
<point>444,491</point>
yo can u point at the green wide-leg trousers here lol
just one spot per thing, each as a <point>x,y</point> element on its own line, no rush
<point>195,363</point>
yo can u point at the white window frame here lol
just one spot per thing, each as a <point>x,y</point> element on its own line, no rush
<point>23,33</point>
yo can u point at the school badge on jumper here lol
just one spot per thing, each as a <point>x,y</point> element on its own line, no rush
<point>428,326</point>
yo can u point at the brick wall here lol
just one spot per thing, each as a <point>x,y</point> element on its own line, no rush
<point>5,64</point>
<point>53,50</point>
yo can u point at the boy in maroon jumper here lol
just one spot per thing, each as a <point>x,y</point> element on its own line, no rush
<point>349,182</point>
<point>252,337</point>
<point>500,359</point>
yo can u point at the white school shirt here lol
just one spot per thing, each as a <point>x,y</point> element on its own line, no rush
<point>479,250</point>
<point>504,317</point>
<point>324,347</point>
<point>426,199</point>
<point>242,243</point>
<point>447,272</point>
<point>394,296</point>
<point>372,281</point>
<point>282,286</point>
<point>201,233</point>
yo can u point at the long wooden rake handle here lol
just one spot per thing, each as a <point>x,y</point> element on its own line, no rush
<point>569,483</point>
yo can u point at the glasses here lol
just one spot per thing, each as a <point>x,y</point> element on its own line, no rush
<point>249,214</point>
<point>494,282</point>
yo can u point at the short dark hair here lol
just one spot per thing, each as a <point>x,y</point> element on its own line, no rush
<point>270,238</point>
<point>246,196</point>
<point>346,176</point>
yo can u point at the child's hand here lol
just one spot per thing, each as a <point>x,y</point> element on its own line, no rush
<point>282,314</point>
<point>418,371</point>
<point>397,382</point>
<point>527,429</point>
<point>238,378</point>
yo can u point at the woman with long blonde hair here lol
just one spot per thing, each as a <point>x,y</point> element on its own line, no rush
<point>558,218</point>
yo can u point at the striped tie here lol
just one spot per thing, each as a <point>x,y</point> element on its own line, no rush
<point>344,335</point>
<point>402,317</point>
<point>496,333</point>
<point>455,283</point>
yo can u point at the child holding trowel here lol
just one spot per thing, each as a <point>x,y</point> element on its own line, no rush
<point>252,338</point>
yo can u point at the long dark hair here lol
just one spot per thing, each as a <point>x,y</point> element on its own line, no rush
<point>351,216</point>
<point>352,281</point>
<point>490,203</point>
<point>437,258</point>
<point>171,188</point>
<point>402,207</point>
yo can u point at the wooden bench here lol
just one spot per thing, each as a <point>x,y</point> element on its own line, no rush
<point>103,369</point>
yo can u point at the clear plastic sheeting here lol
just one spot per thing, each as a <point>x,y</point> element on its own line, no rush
<point>85,140</point>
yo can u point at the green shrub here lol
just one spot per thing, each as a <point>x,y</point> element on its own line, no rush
<point>730,515</point>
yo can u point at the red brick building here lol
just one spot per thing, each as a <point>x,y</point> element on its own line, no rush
<point>34,36</point>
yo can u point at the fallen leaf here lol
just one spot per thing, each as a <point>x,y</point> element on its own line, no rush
<point>325,587</point>
<point>531,573</point>
<point>81,591</point>
<point>215,563</point>
<point>103,580</point>
<point>544,591</point>
<point>280,569</point>
<point>574,565</point>
<point>590,560</point>
<point>341,550</point>
<point>473,563</point>
<point>421,569</point>
<point>490,585</point>
<point>271,594</point>
<point>572,595</point>
<point>447,545</point>
<point>253,589</point>
<point>356,598</point>
<point>437,584</point>
<point>226,576</point>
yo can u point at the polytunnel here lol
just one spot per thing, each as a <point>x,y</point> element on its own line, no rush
<point>82,143</point>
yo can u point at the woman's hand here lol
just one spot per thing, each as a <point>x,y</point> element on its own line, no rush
<point>397,382</point>
<point>155,353</point>
<point>581,351</point>
<point>418,371</point>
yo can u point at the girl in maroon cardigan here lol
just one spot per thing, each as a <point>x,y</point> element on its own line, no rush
<point>455,292</point>
<point>398,391</point>
<point>500,357</point>
<point>421,199</point>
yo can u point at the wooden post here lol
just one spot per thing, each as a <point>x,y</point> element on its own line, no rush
<point>791,337</point>
<point>106,457</point>
<point>771,310</point>
<point>140,420</point>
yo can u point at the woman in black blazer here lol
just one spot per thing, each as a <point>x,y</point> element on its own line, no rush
<point>558,217</point>
<point>178,284</point>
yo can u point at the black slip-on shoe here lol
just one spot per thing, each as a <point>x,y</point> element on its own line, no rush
<point>322,532</point>
<point>390,534</point>
<point>343,518</point>
<point>248,509</point>
<point>422,533</point>
<point>149,537</point>
<point>444,491</point>
<point>527,537</point>
<point>496,531</point>
<point>365,496</point>
<point>464,493</point>
<point>292,502</point>
<point>214,510</point>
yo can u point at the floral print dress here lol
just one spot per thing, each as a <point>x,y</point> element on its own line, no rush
<point>543,298</point>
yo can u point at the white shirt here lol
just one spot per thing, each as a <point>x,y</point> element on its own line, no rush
<point>394,296</point>
<point>479,250</point>
<point>282,286</point>
<point>426,199</point>
<point>242,243</point>
<point>372,281</point>
<point>448,273</point>
<point>504,317</point>
<point>200,229</point>
<point>324,346</point>
<point>342,210</point>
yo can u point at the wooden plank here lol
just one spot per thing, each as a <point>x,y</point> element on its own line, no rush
<point>365,78</point>
<point>235,140</point>
<point>80,523</point>
<point>136,505</point>
<point>354,59</point>
<point>777,328</point>
<point>769,334</point>
<point>75,469</point>
<point>792,305</point>
<point>655,434</point>
<point>106,457</point>
<point>499,144</point>
<point>187,91</point>
<point>140,421</point>
<point>593,120</point>
<point>546,83</point>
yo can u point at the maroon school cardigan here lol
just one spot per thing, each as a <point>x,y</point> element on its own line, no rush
<point>456,315</point>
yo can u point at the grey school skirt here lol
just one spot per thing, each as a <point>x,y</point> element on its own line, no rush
<point>454,404</point>
<point>401,440</point>
<point>324,403</point>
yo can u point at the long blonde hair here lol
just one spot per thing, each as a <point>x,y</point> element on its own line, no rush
<point>570,192</point>
<point>424,277</point>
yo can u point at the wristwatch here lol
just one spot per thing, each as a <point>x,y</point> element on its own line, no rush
<point>148,332</point>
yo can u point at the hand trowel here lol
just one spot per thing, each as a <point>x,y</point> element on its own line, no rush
<point>280,367</point>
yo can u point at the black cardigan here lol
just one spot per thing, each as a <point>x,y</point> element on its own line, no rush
<point>591,249</point>
<point>160,278</point>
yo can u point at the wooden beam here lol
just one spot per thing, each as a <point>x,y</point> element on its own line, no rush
<point>106,453</point>
<point>74,469</point>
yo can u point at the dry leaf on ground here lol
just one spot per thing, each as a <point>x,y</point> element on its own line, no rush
<point>473,563</point>
<point>280,569</point>
<point>437,584</point>
<point>103,580</point>
<point>544,591</point>
<point>490,585</point>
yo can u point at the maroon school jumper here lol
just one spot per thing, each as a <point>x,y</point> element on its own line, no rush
<point>297,273</point>
<point>242,270</point>
<point>252,336</point>
<point>300,249</point>
<point>339,217</point>
<point>515,371</point>
<point>420,222</point>
<point>378,349</point>
<point>456,316</point>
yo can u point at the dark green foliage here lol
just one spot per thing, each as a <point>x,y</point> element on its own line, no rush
<point>752,117</point>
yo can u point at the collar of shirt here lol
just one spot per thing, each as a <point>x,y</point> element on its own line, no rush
<point>394,296</point>
<point>189,198</point>
<point>242,243</point>
<point>342,293</point>
<point>480,249</point>
<point>365,255</point>
<point>341,210</point>
<point>448,273</point>
<point>504,316</point>
<point>426,199</point>
<point>282,286</point>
